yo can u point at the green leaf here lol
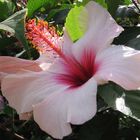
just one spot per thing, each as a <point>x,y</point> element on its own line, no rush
<point>132,101</point>
<point>83,2</point>
<point>102,127</point>
<point>8,110</point>
<point>127,2</point>
<point>102,2</point>
<point>128,103</point>
<point>109,93</point>
<point>34,5</point>
<point>15,25</point>
<point>75,23</point>
<point>125,101</point>
<point>77,20</point>
<point>134,43</point>
<point>6,41</point>
<point>53,12</point>
<point>127,16</point>
<point>6,8</point>
<point>129,37</point>
<point>113,5</point>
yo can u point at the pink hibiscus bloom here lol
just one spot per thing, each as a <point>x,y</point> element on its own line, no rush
<point>63,91</point>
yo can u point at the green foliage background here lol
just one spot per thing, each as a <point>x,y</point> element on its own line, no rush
<point>109,123</point>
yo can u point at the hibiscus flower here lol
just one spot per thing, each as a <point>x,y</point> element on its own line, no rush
<point>63,91</point>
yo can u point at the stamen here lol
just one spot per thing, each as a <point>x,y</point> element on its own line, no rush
<point>55,48</point>
<point>43,37</point>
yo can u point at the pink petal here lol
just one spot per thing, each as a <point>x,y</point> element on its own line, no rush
<point>13,65</point>
<point>75,106</point>
<point>67,44</point>
<point>32,86</point>
<point>101,30</point>
<point>26,89</point>
<point>121,65</point>
<point>45,61</point>
<point>9,65</point>
<point>2,74</point>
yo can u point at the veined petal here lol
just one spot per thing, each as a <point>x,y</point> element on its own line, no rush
<point>22,90</point>
<point>75,106</point>
<point>13,64</point>
<point>121,65</point>
<point>101,29</point>
<point>9,65</point>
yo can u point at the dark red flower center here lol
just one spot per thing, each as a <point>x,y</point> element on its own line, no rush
<point>79,72</point>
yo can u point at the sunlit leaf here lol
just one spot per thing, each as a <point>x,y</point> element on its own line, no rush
<point>109,94</point>
<point>74,24</point>
<point>125,101</point>
<point>132,101</point>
